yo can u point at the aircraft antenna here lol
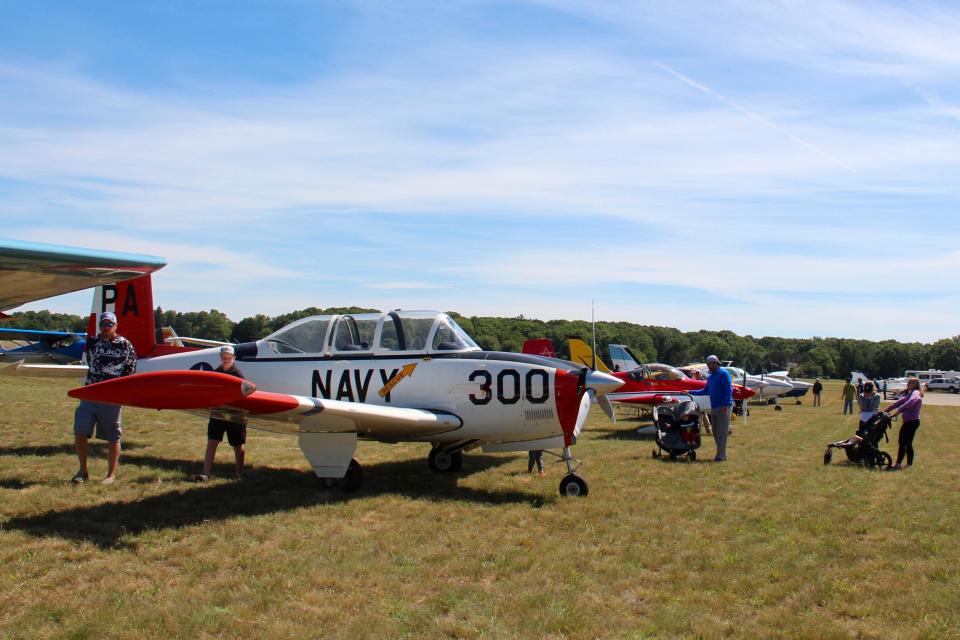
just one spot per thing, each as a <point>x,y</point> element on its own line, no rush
<point>593,330</point>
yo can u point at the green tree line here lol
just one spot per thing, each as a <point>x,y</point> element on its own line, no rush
<point>809,357</point>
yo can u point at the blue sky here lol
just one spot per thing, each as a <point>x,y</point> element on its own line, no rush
<point>777,168</point>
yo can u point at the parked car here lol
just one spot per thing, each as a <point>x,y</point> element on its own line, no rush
<point>943,384</point>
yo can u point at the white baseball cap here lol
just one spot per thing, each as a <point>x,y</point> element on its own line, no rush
<point>713,359</point>
<point>227,349</point>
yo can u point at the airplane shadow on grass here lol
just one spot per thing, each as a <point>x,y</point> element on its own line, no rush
<point>93,449</point>
<point>264,491</point>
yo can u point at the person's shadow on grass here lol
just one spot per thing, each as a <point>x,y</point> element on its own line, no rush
<point>266,490</point>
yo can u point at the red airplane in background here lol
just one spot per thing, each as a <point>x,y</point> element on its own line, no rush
<point>650,384</point>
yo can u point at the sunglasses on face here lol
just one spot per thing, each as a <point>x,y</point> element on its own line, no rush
<point>107,325</point>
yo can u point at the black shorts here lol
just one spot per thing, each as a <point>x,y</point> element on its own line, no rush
<point>236,433</point>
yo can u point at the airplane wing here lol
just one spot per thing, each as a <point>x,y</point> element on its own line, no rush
<point>37,335</point>
<point>210,393</point>
<point>203,342</point>
<point>23,370</point>
<point>32,271</point>
<point>647,398</point>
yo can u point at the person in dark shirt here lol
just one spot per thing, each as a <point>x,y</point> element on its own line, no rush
<point>108,356</point>
<point>817,390</point>
<point>236,431</point>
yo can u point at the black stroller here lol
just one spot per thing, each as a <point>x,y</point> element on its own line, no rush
<point>678,430</point>
<point>864,446</point>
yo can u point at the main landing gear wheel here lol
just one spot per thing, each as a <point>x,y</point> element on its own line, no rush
<point>827,456</point>
<point>350,482</point>
<point>573,486</point>
<point>354,477</point>
<point>445,461</point>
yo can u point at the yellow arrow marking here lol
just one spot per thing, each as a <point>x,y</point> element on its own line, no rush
<point>405,372</point>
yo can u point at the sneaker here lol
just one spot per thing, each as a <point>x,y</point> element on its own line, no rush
<point>80,477</point>
<point>894,467</point>
<point>108,480</point>
<point>543,473</point>
<point>201,477</point>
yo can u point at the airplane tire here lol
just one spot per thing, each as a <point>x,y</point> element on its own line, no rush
<point>573,486</point>
<point>778,408</point>
<point>354,477</point>
<point>692,455</point>
<point>445,462</point>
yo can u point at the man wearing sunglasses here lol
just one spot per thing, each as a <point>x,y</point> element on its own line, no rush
<point>108,356</point>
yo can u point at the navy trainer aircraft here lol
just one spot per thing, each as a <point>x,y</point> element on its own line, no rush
<point>331,380</point>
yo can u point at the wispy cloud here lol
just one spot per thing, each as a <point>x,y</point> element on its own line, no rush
<point>404,170</point>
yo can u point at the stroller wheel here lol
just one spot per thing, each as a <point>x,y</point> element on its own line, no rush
<point>884,460</point>
<point>827,456</point>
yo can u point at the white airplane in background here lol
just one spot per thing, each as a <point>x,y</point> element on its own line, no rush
<point>765,387</point>
<point>392,377</point>
<point>800,387</point>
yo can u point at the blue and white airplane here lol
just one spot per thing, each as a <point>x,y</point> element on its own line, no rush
<point>32,345</point>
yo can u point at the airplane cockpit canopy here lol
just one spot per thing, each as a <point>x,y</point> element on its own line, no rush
<point>657,371</point>
<point>372,333</point>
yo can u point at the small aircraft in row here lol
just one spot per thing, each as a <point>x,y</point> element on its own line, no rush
<point>643,384</point>
<point>765,387</point>
<point>331,380</point>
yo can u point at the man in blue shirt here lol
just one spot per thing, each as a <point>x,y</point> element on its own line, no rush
<point>720,389</point>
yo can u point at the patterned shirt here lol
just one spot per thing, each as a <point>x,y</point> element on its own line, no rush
<point>110,359</point>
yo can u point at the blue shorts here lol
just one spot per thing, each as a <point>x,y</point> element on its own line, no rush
<point>105,416</point>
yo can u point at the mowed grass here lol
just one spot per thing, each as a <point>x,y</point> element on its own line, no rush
<point>769,544</point>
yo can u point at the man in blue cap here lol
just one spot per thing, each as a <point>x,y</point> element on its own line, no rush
<point>720,389</point>
<point>108,356</point>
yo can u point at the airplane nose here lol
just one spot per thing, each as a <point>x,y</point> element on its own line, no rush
<point>602,382</point>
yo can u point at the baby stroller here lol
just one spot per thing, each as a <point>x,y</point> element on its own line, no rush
<point>678,430</point>
<point>864,446</point>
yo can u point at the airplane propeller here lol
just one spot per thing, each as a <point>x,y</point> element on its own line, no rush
<point>594,386</point>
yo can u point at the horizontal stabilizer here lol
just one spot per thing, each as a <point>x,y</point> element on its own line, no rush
<point>168,390</point>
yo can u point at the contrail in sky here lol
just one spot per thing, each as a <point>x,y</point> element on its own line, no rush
<point>747,112</point>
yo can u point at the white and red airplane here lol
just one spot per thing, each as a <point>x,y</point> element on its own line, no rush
<point>333,379</point>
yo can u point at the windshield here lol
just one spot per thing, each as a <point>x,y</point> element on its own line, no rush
<point>451,337</point>
<point>664,372</point>
<point>303,336</point>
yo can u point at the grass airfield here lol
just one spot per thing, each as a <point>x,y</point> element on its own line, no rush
<point>769,544</point>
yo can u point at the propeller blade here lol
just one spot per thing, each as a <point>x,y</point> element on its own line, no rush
<point>607,407</point>
<point>584,410</point>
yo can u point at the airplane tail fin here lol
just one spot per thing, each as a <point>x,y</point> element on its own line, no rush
<point>132,302</point>
<point>622,358</point>
<point>169,336</point>
<point>581,353</point>
<point>539,347</point>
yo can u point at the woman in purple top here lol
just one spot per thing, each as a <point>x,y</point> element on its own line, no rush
<point>909,405</point>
